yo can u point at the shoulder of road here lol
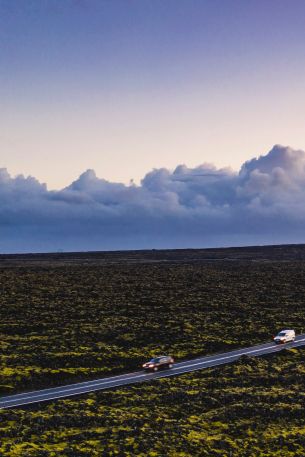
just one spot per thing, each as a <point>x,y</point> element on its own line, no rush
<point>28,398</point>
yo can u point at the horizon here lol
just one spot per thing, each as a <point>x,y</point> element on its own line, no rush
<point>212,248</point>
<point>197,207</point>
<point>139,125</point>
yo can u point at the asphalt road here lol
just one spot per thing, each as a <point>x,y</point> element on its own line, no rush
<point>70,390</point>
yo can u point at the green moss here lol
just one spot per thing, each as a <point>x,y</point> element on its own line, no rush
<point>64,322</point>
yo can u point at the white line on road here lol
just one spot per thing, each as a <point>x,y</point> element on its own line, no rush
<point>123,379</point>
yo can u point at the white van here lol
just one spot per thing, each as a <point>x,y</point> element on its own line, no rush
<point>284,336</point>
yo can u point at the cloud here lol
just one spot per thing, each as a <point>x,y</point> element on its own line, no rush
<point>189,207</point>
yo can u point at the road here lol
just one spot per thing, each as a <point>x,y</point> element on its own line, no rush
<point>70,390</point>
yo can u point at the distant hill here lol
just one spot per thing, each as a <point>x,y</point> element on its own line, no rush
<point>251,253</point>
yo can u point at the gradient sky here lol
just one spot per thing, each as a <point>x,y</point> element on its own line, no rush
<point>125,86</point>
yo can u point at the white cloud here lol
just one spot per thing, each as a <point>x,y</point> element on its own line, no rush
<point>203,206</point>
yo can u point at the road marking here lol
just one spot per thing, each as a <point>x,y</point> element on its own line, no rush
<point>99,383</point>
<point>273,347</point>
<point>80,384</point>
<point>230,356</point>
<point>81,388</point>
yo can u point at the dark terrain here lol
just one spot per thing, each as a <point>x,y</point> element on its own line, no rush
<point>76,316</point>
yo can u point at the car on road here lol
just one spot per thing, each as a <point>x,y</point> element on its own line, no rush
<point>284,336</point>
<point>159,363</point>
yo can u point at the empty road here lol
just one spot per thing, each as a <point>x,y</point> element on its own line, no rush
<point>70,390</point>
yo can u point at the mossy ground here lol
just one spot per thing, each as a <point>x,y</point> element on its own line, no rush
<point>247,409</point>
<point>61,322</point>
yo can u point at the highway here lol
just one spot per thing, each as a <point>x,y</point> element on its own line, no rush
<point>28,398</point>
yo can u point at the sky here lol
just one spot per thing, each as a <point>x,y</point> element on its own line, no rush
<point>204,206</point>
<point>151,123</point>
<point>125,86</point>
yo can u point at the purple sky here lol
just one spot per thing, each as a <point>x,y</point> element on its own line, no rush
<point>131,89</point>
<point>123,86</point>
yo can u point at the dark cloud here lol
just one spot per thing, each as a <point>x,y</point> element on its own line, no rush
<point>203,206</point>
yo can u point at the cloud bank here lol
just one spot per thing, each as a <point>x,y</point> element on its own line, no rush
<point>263,203</point>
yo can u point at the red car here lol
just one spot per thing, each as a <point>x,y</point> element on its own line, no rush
<point>157,363</point>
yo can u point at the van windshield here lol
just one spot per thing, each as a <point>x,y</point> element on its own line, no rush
<point>282,334</point>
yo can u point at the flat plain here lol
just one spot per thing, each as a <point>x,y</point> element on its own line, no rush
<point>72,317</point>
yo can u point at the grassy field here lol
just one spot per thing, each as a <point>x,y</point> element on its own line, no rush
<point>70,317</point>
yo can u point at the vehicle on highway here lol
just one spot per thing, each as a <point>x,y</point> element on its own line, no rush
<point>158,363</point>
<point>284,336</point>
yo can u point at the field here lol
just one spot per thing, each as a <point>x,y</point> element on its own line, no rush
<point>70,317</point>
